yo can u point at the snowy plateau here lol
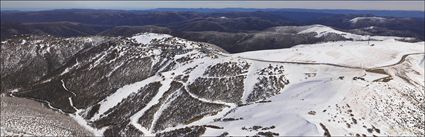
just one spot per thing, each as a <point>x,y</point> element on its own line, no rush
<point>159,85</point>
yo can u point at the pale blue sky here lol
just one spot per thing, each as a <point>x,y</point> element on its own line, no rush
<point>132,5</point>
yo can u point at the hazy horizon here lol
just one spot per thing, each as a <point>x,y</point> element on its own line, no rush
<point>197,8</point>
<point>146,5</point>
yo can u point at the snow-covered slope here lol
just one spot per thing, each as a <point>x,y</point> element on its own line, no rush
<point>348,90</point>
<point>148,37</point>
<point>363,54</point>
<point>154,84</point>
<point>374,19</point>
<point>322,31</point>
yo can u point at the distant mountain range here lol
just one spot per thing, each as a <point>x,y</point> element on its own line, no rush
<point>196,24</point>
<point>387,13</point>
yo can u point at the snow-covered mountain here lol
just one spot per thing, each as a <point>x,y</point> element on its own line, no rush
<point>156,84</point>
<point>370,19</point>
<point>325,31</point>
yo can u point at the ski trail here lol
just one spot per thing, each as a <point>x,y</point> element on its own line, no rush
<point>71,103</point>
<point>206,100</point>
<point>69,98</point>
<point>81,121</point>
<point>248,83</point>
<point>120,95</point>
<point>64,87</point>
<point>51,107</point>
<point>155,100</point>
<point>208,119</point>
<point>167,102</point>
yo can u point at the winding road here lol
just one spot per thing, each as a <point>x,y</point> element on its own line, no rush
<point>402,59</point>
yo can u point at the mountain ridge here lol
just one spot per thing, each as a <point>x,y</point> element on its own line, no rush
<point>157,84</point>
<point>94,22</point>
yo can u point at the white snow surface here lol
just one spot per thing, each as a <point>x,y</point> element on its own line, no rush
<point>350,53</point>
<point>146,38</point>
<point>288,110</point>
<point>378,19</point>
<point>119,95</point>
<point>322,30</point>
<point>327,95</point>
